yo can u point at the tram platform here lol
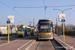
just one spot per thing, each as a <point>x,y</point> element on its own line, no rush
<point>69,43</point>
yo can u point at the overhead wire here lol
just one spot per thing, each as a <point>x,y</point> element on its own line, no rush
<point>44,2</point>
<point>44,7</point>
<point>38,7</point>
<point>30,7</point>
<point>13,9</point>
<point>71,13</point>
<point>62,6</point>
<point>20,15</point>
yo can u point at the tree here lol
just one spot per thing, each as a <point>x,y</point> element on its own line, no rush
<point>73,28</point>
<point>59,28</point>
<point>70,26</point>
<point>66,28</point>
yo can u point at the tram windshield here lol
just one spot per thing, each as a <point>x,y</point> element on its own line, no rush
<point>21,29</point>
<point>45,26</point>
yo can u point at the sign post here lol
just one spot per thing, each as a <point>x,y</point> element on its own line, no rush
<point>63,33</point>
<point>10,19</point>
<point>62,19</point>
<point>8,32</point>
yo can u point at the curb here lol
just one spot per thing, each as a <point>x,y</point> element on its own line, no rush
<point>30,45</point>
<point>66,46</point>
<point>60,43</point>
<point>7,37</point>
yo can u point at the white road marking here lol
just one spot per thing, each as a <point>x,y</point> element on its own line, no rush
<point>30,45</point>
<point>8,43</point>
<point>65,43</point>
<point>24,45</point>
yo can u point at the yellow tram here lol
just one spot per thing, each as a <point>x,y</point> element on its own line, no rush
<point>25,31</point>
<point>45,29</point>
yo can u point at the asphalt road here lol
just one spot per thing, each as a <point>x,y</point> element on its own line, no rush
<point>4,39</point>
<point>18,43</point>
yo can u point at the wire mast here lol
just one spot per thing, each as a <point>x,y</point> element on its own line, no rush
<point>44,7</point>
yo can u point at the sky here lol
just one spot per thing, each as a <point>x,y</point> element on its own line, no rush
<point>25,15</point>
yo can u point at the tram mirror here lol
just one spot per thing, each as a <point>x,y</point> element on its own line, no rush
<point>51,24</point>
<point>38,24</point>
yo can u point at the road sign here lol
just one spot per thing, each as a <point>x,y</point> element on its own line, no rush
<point>63,20</point>
<point>61,17</point>
<point>10,19</point>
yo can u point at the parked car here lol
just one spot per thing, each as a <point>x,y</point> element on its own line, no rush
<point>59,33</point>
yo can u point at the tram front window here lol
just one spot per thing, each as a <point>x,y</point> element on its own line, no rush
<point>45,28</point>
<point>21,29</point>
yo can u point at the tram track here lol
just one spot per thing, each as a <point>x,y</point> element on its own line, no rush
<point>37,46</point>
<point>42,45</point>
<point>46,45</point>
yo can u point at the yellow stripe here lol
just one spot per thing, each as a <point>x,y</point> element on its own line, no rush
<point>46,34</point>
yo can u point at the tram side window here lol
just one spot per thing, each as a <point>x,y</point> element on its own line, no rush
<point>51,24</point>
<point>51,29</point>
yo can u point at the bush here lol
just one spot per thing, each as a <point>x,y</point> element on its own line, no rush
<point>70,33</point>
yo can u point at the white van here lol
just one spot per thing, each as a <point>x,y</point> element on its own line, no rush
<point>3,30</point>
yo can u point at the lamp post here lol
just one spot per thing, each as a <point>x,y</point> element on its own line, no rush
<point>62,10</point>
<point>63,22</point>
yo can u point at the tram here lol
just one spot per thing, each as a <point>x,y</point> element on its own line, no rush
<point>45,29</point>
<point>30,31</point>
<point>24,31</point>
